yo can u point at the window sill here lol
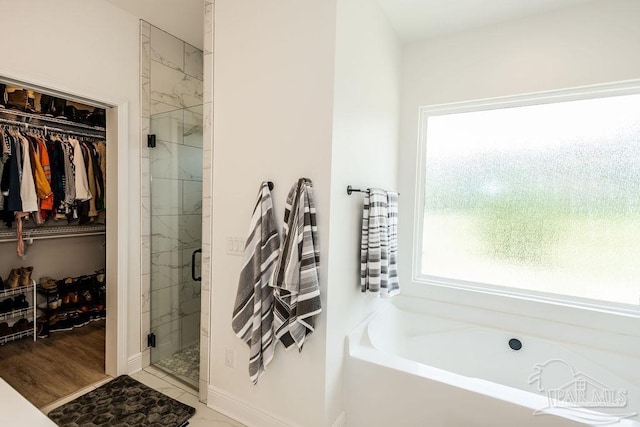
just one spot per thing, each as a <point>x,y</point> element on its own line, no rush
<point>533,313</point>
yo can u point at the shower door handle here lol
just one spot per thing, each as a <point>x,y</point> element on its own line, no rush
<point>193,265</point>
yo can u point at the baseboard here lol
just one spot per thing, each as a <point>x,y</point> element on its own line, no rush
<point>341,421</point>
<point>134,363</point>
<point>233,407</point>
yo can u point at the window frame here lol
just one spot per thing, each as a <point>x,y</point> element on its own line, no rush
<point>631,87</point>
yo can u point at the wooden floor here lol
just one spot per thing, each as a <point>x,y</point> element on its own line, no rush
<point>51,368</point>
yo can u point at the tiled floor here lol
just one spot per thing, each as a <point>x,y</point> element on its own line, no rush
<point>160,381</point>
<point>185,364</point>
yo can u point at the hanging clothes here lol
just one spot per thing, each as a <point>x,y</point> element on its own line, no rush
<point>102,150</point>
<point>28,193</point>
<point>4,159</point>
<point>58,177</point>
<point>11,180</point>
<point>80,172</point>
<point>46,204</point>
<point>99,177</point>
<point>43,188</point>
<point>91,179</point>
<point>54,176</point>
<point>70,175</point>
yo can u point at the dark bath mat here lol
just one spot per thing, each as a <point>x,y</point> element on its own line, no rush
<point>123,402</point>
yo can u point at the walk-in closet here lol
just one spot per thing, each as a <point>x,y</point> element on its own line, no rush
<point>53,206</point>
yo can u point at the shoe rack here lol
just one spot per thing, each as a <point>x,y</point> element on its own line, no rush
<point>65,304</point>
<point>70,303</point>
<point>17,313</point>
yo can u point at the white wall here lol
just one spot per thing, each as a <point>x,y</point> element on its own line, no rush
<point>273,92</point>
<point>270,123</point>
<point>364,154</point>
<point>182,18</point>
<point>89,49</point>
<point>594,43</point>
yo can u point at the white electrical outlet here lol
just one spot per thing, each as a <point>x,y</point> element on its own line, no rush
<point>228,358</point>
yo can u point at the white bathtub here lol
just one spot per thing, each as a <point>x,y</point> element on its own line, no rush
<point>409,369</point>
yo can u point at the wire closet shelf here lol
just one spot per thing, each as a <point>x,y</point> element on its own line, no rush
<point>35,121</point>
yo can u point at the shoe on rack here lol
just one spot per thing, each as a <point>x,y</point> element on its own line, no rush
<point>53,320</point>
<point>87,282</point>
<point>42,328</point>
<point>48,283</point>
<point>97,118</point>
<point>70,112</point>
<point>76,321</point>
<point>21,326</point>
<point>20,302</point>
<point>100,275</point>
<point>46,105</point>
<point>18,99</point>
<point>73,297</point>
<point>58,108</point>
<point>25,276</point>
<point>3,95</point>
<point>6,305</point>
<point>86,294</point>
<point>82,116</point>
<point>52,304</point>
<point>14,279</point>
<point>5,329</point>
<point>64,323</point>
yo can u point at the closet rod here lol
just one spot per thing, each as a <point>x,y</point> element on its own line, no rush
<point>50,129</point>
<point>42,118</point>
<point>56,236</point>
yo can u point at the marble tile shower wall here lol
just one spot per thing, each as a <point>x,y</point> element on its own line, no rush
<point>207,199</point>
<point>171,91</point>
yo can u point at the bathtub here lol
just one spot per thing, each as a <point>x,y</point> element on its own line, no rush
<point>411,369</point>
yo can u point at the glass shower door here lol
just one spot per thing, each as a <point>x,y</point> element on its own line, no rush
<point>176,233</point>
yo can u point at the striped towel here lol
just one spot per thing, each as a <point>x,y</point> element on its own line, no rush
<point>379,244</point>
<point>253,310</point>
<point>295,279</point>
<point>392,284</point>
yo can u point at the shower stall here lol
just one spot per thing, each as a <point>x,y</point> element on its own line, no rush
<point>176,236</point>
<point>171,169</point>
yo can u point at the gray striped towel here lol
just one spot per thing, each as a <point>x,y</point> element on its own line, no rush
<point>253,310</point>
<point>295,279</point>
<point>379,244</point>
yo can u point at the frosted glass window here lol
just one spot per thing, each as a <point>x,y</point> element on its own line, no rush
<point>543,197</point>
